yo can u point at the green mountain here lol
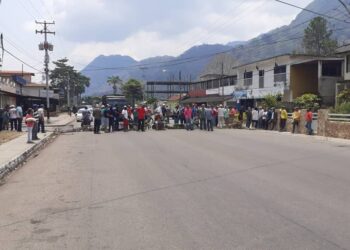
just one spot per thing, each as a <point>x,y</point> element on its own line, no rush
<point>204,59</point>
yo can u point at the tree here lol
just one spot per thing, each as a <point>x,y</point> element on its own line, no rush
<point>317,38</point>
<point>64,74</point>
<point>114,81</point>
<point>270,101</point>
<point>133,90</point>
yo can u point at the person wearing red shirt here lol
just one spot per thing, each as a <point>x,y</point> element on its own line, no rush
<point>30,120</point>
<point>141,113</point>
<point>308,118</point>
<point>188,117</point>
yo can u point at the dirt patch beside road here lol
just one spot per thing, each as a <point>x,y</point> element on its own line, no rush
<point>6,136</point>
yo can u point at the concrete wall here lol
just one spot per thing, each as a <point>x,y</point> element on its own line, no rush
<point>332,129</point>
<point>327,89</point>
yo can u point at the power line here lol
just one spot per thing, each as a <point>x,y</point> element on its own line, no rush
<point>345,6</point>
<point>35,9</point>
<point>20,60</point>
<point>312,11</point>
<point>213,54</point>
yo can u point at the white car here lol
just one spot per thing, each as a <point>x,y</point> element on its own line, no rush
<point>79,114</point>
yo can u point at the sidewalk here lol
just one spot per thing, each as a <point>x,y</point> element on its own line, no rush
<point>15,152</point>
<point>59,121</point>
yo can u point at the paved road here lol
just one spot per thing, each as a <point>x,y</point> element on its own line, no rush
<point>180,190</point>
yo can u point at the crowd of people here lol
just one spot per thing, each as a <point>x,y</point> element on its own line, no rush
<point>12,118</point>
<point>107,118</point>
<point>203,117</point>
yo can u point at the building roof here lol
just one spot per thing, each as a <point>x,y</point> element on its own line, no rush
<point>206,99</point>
<point>32,84</point>
<point>174,98</point>
<point>213,75</point>
<point>343,49</point>
<point>15,73</point>
<point>311,57</point>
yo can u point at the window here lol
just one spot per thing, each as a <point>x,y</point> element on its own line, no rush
<point>348,63</point>
<point>280,73</point>
<point>331,69</point>
<point>248,78</point>
<point>261,78</point>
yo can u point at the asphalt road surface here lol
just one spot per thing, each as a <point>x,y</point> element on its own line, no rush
<point>227,189</point>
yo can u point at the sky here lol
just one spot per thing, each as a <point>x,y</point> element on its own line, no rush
<point>86,29</point>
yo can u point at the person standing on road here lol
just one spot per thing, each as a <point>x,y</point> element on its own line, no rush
<point>19,118</point>
<point>202,120</point>
<point>308,118</point>
<point>249,118</point>
<point>96,113</point>
<point>260,117</point>
<point>221,116</point>
<point>13,117</point>
<point>125,115</point>
<point>273,119</point>
<point>255,117</point>
<point>141,114</point>
<point>284,117</point>
<point>30,121</point>
<point>35,127</point>
<point>41,123</point>
<point>296,119</point>
<point>209,116</point>
<point>188,117</point>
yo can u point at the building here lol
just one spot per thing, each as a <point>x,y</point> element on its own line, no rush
<point>288,75</point>
<point>163,90</point>
<point>17,88</point>
<point>11,86</point>
<point>344,51</point>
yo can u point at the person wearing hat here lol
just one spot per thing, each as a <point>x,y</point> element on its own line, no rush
<point>13,117</point>
<point>221,116</point>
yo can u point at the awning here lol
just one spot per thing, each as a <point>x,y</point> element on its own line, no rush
<point>19,80</point>
<point>240,94</point>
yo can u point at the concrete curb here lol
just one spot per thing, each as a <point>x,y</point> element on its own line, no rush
<point>19,160</point>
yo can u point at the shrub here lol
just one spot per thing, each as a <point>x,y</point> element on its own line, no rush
<point>344,96</point>
<point>308,101</point>
<point>343,108</point>
<point>272,101</point>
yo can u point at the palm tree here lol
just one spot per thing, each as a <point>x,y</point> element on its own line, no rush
<point>114,81</point>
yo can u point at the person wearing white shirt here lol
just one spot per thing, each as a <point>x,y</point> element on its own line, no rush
<point>125,119</point>
<point>13,117</point>
<point>221,116</point>
<point>255,117</point>
<point>41,123</point>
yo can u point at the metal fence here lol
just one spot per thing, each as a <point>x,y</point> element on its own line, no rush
<point>339,117</point>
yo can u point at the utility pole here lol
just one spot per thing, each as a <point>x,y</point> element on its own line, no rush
<point>68,93</point>
<point>46,46</point>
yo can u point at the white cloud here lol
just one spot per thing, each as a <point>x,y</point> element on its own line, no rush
<point>88,28</point>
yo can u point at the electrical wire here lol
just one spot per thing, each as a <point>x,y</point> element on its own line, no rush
<point>185,60</point>
<point>20,60</point>
<point>311,11</point>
